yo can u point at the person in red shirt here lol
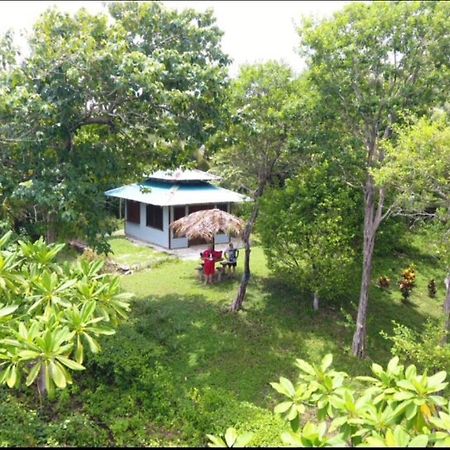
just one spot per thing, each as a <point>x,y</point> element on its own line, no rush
<point>209,267</point>
<point>210,257</point>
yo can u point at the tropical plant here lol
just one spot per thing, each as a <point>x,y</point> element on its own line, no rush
<point>399,407</point>
<point>384,282</point>
<point>49,313</point>
<point>432,290</point>
<point>427,348</point>
<point>407,282</point>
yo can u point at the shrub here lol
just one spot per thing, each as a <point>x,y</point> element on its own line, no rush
<point>407,282</point>
<point>77,430</point>
<point>398,408</point>
<point>19,426</point>
<point>423,349</point>
<point>51,314</point>
<point>432,289</point>
<point>384,282</point>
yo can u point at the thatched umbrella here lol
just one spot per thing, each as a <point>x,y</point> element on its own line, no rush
<point>207,223</point>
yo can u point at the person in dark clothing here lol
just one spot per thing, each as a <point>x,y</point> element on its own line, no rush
<point>231,255</point>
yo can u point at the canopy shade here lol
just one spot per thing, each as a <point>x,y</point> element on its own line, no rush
<point>207,223</point>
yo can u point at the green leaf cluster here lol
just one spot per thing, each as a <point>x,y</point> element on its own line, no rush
<point>50,313</point>
<point>398,408</point>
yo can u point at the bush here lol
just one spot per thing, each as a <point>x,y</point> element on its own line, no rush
<point>398,408</point>
<point>384,282</point>
<point>407,282</point>
<point>19,426</point>
<point>77,430</point>
<point>423,349</point>
<point>432,290</point>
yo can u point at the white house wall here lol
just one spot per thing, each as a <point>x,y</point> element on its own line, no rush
<point>148,234</point>
<point>154,236</point>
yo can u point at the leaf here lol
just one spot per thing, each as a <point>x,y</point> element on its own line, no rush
<point>282,407</point>
<point>243,439</point>
<point>291,439</point>
<point>305,367</point>
<point>326,362</point>
<point>57,375</point>
<point>215,441</point>
<point>93,346</point>
<point>419,441</point>
<point>437,379</point>
<point>33,374</point>
<point>70,363</point>
<point>7,310</point>
<point>230,436</point>
<point>12,378</point>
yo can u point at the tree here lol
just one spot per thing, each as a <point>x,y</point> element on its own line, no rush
<point>49,314</point>
<point>307,229</point>
<point>417,170</point>
<point>256,141</point>
<point>100,102</point>
<point>371,63</point>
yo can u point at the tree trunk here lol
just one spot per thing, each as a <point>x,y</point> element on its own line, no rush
<point>447,310</point>
<point>371,223</point>
<point>42,385</point>
<point>51,231</point>
<point>316,302</point>
<point>237,304</point>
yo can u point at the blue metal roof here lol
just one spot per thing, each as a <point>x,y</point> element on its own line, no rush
<point>168,194</point>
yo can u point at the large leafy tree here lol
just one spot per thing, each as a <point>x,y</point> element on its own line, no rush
<point>417,170</point>
<point>371,62</point>
<point>307,230</point>
<point>255,146</point>
<point>100,101</point>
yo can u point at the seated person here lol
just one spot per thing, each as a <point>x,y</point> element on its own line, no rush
<point>231,255</point>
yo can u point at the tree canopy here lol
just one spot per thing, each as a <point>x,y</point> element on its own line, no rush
<point>99,101</point>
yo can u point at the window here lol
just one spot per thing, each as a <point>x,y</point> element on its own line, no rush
<point>133,212</point>
<point>179,212</point>
<point>199,207</point>
<point>222,206</point>
<point>155,217</point>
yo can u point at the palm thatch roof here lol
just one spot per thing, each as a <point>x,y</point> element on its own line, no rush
<point>207,223</point>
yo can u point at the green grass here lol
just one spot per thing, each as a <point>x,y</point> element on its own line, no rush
<point>125,252</point>
<point>183,365</point>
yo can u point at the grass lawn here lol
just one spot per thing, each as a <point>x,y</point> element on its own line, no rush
<point>203,346</point>
<point>183,366</point>
<point>125,252</point>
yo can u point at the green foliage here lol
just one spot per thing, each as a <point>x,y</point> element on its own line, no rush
<point>254,146</point>
<point>407,282</point>
<point>99,101</point>
<point>51,314</point>
<point>230,439</point>
<point>307,231</point>
<point>417,169</point>
<point>432,289</point>
<point>424,348</point>
<point>398,408</point>
<point>19,427</point>
<point>76,430</point>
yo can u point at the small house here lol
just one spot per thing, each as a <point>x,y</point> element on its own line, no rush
<point>151,206</point>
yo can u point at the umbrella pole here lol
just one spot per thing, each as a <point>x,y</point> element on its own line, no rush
<point>213,242</point>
